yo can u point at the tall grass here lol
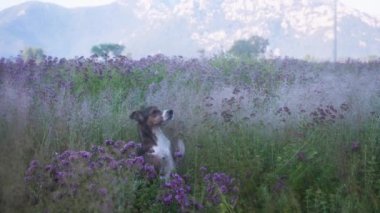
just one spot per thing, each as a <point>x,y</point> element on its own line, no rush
<point>296,136</point>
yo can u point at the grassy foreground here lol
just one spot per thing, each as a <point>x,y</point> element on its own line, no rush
<point>277,135</point>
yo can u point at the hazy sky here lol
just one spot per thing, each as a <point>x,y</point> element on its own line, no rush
<point>370,6</point>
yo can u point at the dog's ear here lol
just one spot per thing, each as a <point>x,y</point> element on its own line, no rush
<point>137,116</point>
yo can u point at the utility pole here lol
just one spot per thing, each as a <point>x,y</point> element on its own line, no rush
<point>335,31</point>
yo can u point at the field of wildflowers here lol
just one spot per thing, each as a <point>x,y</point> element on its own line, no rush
<point>266,135</point>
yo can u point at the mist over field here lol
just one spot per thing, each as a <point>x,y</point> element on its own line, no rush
<point>269,121</point>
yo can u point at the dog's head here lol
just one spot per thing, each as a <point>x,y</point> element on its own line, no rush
<point>152,116</point>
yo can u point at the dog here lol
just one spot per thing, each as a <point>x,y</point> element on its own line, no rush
<point>156,147</point>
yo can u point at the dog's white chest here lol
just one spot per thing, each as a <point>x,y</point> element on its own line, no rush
<point>163,144</point>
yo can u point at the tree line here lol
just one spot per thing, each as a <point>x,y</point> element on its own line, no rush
<point>253,47</point>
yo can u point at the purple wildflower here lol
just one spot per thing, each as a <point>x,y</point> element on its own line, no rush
<point>137,162</point>
<point>167,199</point>
<point>118,144</point>
<point>218,184</point>
<point>85,154</point>
<point>109,142</point>
<point>103,192</point>
<point>178,155</point>
<point>65,163</point>
<point>150,172</point>
<point>49,168</point>
<point>60,177</point>
<point>33,165</point>
<point>138,145</point>
<point>99,164</point>
<point>130,145</point>
<point>355,146</point>
<point>224,189</point>
<point>301,156</point>
<point>65,155</point>
<point>280,184</point>
<point>98,149</point>
<point>203,170</point>
<point>113,164</point>
<point>73,157</point>
<point>106,158</point>
<point>176,188</point>
<point>28,178</point>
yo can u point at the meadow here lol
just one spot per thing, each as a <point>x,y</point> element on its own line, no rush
<point>261,135</point>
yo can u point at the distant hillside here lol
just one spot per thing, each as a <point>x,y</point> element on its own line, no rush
<point>293,28</point>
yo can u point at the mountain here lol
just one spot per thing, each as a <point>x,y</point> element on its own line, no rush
<point>183,27</point>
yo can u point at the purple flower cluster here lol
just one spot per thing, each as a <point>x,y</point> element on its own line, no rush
<point>33,166</point>
<point>176,191</point>
<point>70,168</point>
<point>220,185</point>
<point>328,113</point>
<point>72,173</point>
<point>136,162</point>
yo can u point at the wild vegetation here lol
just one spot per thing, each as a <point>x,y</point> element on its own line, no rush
<point>261,135</point>
<point>105,50</point>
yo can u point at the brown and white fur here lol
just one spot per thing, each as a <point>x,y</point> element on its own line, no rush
<point>156,147</point>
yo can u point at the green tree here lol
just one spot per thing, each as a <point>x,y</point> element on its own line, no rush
<point>36,54</point>
<point>253,47</point>
<point>104,50</point>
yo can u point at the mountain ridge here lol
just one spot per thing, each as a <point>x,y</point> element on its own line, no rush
<point>294,28</point>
